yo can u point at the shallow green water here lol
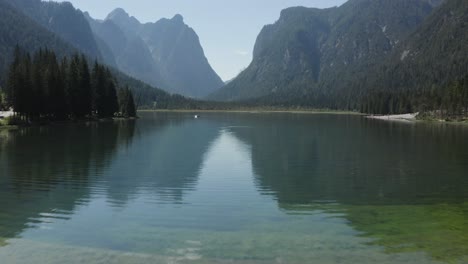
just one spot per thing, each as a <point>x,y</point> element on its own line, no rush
<point>235,188</point>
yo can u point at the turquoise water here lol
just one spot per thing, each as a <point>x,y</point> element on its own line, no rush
<point>235,188</point>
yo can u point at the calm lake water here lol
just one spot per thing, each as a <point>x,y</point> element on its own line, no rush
<point>235,188</point>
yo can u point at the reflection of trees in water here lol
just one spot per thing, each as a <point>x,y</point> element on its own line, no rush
<point>46,170</point>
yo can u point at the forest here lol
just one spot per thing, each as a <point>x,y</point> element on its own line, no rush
<point>451,102</point>
<point>40,87</point>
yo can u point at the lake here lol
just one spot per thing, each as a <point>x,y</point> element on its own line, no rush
<point>235,188</point>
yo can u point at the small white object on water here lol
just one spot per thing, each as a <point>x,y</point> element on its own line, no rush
<point>196,116</point>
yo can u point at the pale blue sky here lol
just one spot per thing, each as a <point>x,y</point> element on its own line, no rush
<point>227,29</point>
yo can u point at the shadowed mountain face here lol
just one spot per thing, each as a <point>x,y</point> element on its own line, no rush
<point>320,51</point>
<point>166,54</point>
<point>64,20</point>
<point>17,28</point>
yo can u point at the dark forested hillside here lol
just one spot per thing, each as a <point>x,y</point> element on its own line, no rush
<point>434,55</point>
<point>64,20</point>
<point>17,28</point>
<point>429,69</point>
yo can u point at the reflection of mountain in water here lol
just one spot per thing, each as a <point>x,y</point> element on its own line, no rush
<point>165,162</point>
<point>402,185</point>
<point>303,159</point>
<point>46,172</point>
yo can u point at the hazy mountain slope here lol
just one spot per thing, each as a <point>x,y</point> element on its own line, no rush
<point>177,49</point>
<point>106,53</point>
<point>131,54</point>
<point>64,20</point>
<point>167,53</point>
<point>128,24</point>
<point>18,29</point>
<point>310,51</point>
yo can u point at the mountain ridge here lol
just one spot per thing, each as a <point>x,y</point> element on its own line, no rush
<point>306,49</point>
<point>18,28</point>
<point>170,49</point>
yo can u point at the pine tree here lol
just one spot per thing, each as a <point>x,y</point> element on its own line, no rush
<point>14,79</point>
<point>126,103</point>
<point>98,84</point>
<point>85,92</point>
<point>41,88</point>
<point>57,103</point>
<point>111,101</point>
<point>131,109</point>
<point>73,86</point>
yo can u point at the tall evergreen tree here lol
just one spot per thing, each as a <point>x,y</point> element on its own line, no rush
<point>126,103</point>
<point>85,94</point>
<point>73,86</point>
<point>42,88</point>
<point>14,78</point>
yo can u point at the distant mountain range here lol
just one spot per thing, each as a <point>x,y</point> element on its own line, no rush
<point>332,57</point>
<point>166,53</point>
<point>345,57</point>
<point>35,24</point>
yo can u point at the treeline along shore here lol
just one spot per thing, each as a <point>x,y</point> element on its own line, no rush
<point>41,88</point>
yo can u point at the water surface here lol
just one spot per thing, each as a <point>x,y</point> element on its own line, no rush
<point>235,188</point>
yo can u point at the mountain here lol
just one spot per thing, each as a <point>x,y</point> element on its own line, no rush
<point>311,55</point>
<point>19,25</point>
<point>167,53</point>
<point>434,55</point>
<point>18,29</point>
<point>131,54</point>
<point>176,47</point>
<point>63,20</point>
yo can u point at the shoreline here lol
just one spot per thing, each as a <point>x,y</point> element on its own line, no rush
<point>52,123</point>
<point>415,118</point>
<point>411,117</point>
<point>255,111</point>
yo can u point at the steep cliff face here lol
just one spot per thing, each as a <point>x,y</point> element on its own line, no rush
<point>176,48</point>
<point>167,53</point>
<point>131,54</point>
<point>310,49</point>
